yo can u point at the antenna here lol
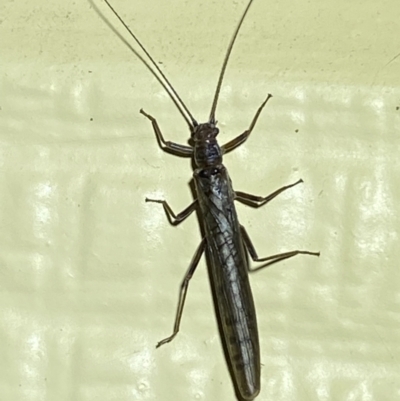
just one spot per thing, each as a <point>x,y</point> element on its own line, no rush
<point>225,63</point>
<point>166,85</point>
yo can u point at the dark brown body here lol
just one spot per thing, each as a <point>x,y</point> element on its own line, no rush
<point>225,242</point>
<point>229,277</point>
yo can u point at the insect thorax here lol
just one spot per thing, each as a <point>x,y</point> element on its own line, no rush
<point>207,152</point>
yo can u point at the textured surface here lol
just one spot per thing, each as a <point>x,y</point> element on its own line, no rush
<point>90,272</point>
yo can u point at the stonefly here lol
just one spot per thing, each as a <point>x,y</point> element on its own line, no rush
<point>225,241</point>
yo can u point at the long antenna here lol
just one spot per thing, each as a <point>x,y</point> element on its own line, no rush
<point>226,59</point>
<point>167,85</point>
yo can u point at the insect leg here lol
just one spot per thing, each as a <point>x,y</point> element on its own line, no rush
<point>258,201</point>
<point>173,218</point>
<point>168,146</point>
<point>269,259</point>
<point>183,292</point>
<point>234,143</point>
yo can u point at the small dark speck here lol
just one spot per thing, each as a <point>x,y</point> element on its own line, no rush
<point>397,108</point>
<point>91,118</point>
<point>89,71</point>
<point>296,130</point>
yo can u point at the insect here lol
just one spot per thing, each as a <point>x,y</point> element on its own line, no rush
<point>225,241</point>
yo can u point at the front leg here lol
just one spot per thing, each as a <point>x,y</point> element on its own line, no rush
<point>235,142</point>
<point>168,146</point>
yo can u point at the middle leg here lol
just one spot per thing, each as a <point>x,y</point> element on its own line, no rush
<point>173,218</point>
<point>258,201</point>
